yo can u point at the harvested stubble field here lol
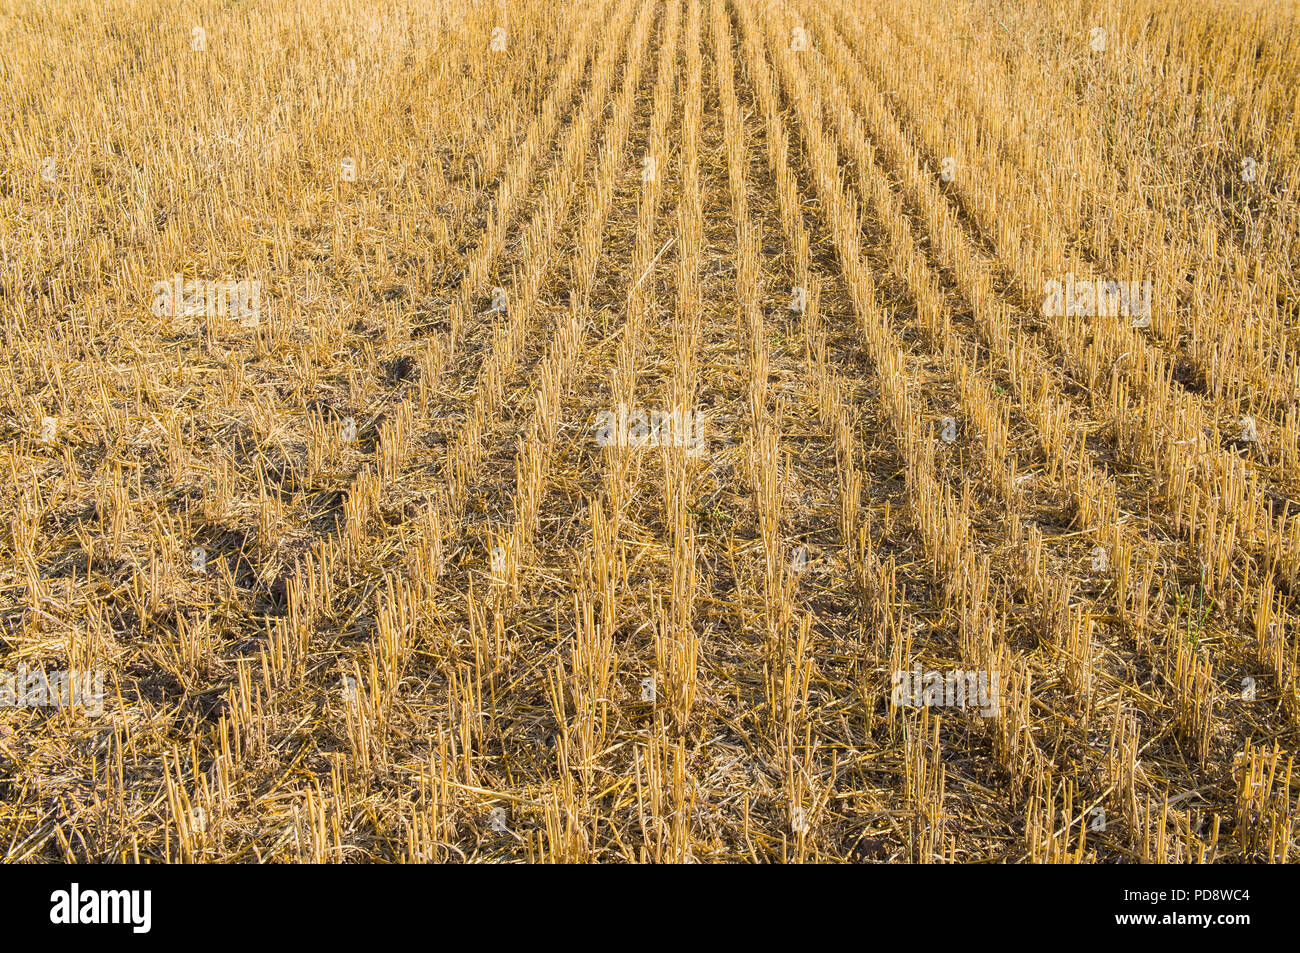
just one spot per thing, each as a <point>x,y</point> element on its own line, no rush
<point>385,552</point>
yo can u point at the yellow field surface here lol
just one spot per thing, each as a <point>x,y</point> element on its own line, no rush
<point>649,430</point>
